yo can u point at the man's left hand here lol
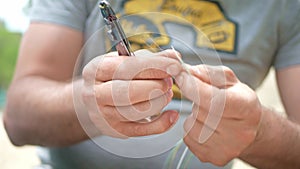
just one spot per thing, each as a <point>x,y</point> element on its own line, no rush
<point>226,113</point>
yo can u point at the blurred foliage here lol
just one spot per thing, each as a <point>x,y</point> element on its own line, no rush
<point>9,46</point>
<point>2,99</point>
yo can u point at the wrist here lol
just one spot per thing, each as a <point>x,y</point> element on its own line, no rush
<point>258,135</point>
<point>263,137</point>
<point>80,109</point>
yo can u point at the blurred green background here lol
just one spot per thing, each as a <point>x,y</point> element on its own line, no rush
<point>9,46</point>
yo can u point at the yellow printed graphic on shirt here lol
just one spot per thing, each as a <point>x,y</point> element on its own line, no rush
<point>148,30</point>
<point>144,23</point>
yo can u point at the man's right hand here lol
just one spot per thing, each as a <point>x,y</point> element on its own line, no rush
<point>119,91</point>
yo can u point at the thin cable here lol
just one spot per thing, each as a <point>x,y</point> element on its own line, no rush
<point>152,43</point>
<point>185,67</point>
<point>187,159</point>
<point>181,158</point>
<point>172,155</point>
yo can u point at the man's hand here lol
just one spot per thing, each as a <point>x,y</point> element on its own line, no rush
<point>120,91</point>
<point>226,113</point>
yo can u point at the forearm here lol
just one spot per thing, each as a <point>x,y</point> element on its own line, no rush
<point>277,144</point>
<point>41,112</point>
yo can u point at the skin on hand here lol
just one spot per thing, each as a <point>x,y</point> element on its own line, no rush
<point>226,113</point>
<point>119,91</point>
<point>39,99</point>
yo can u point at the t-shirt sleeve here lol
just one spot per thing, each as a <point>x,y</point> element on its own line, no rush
<point>71,13</point>
<point>288,53</point>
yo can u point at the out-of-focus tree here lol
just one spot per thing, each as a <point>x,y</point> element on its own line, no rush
<point>9,46</point>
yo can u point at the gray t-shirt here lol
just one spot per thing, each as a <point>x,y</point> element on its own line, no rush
<point>249,36</point>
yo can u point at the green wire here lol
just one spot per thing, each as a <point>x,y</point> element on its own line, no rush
<point>172,155</point>
<point>188,159</point>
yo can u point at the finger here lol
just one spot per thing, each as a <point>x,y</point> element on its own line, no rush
<point>158,126</point>
<point>209,117</point>
<point>206,97</point>
<point>213,153</point>
<point>90,70</point>
<point>139,67</point>
<point>145,109</point>
<point>169,53</point>
<point>123,93</point>
<point>195,90</point>
<point>138,111</point>
<point>201,151</point>
<point>96,116</point>
<point>218,76</point>
<point>198,131</point>
<point>172,53</point>
<point>89,98</point>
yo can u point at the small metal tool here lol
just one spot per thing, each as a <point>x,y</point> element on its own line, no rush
<point>115,31</point>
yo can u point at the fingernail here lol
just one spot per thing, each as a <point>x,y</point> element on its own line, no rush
<point>173,70</point>
<point>196,70</point>
<point>170,93</point>
<point>169,82</point>
<point>173,118</point>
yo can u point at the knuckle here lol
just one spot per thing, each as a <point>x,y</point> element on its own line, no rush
<point>143,107</point>
<point>151,73</point>
<point>203,156</point>
<point>168,53</point>
<point>229,73</point>
<point>248,136</point>
<point>118,88</point>
<point>159,98</point>
<point>226,69</point>
<point>234,154</point>
<point>89,70</point>
<point>139,130</point>
<point>203,159</point>
<point>104,95</point>
<point>164,128</point>
<point>107,111</point>
<point>188,124</point>
<point>86,96</point>
<point>163,101</point>
<point>201,67</point>
<point>130,114</point>
<point>161,127</point>
<point>172,53</point>
<point>220,163</point>
<point>121,130</point>
<point>104,72</point>
<point>108,67</point>
<point>231,98</point>
<point>229,154</point>
<point>87,73</point>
